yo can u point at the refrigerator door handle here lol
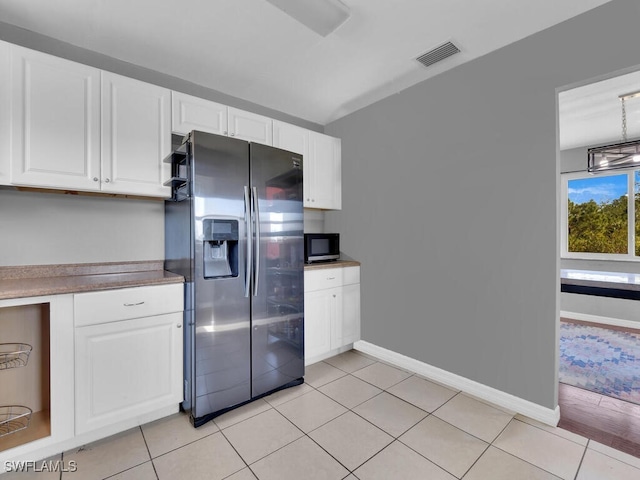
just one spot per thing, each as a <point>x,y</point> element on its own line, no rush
<point>256,218</point>
<point>249,258</point>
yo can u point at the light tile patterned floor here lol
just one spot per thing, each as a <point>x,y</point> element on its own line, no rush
<point>356,419</point>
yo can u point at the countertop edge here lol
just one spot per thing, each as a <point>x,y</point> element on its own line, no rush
<point>333,264</point>
<point>60,285</point>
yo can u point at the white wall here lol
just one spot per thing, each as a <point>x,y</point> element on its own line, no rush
<point>51,228</point>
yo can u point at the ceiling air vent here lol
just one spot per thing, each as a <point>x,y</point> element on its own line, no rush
<point>439,53</point>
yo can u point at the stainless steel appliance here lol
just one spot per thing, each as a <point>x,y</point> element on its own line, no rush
<point>321,247</point>
<point>234,230</point>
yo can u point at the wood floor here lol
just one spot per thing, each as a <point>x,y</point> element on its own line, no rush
<point>606,420</point>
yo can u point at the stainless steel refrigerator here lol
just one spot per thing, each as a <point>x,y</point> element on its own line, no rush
<point>234,230</point>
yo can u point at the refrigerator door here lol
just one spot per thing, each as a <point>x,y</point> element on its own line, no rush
<point>221,357</point>
<point>278,291</point>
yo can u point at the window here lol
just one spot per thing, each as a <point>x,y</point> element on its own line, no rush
<point>600,220</point>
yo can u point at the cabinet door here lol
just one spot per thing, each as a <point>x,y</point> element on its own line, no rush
<point>324,171</point>
<point>5,118</point>
<point>127,368</point>
<point>136,136</point>
<point>319,307</point>
<point>291,137</point>
<point>346,323</point>
<point>55,119</point>
<point>193,113</point>
<point>250,126</point>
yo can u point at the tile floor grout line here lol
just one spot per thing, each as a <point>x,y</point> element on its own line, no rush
<point>235,410</point>
<point>380,428</point>
<point>428,459</point>
<point>146,444</point>
<point>276,450</point>
<point>610,456</point>
<point>152,458</point>
<point>528,462</point>
<point>373,456</point>
<point>584,453</point>
<point>464,431</point>
<point>475,461</point>
<point>326,451</point>
<point>235,450</point>
<point>552,433</point>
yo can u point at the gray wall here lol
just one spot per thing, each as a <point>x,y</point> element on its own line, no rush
<point>450,203</point>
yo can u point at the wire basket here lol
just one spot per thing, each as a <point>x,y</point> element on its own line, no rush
<point>13,418</point>
<point>14,355</point>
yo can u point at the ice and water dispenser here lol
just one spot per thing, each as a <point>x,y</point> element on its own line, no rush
<point>220,237</point>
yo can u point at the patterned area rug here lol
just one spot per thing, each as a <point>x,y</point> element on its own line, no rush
<point>600,360</point>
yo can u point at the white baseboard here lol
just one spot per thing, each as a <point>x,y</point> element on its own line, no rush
<point>586,317</point>
<point>499,398</point>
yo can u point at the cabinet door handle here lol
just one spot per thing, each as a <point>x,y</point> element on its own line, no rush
<point>133,304</point>
<point>179,325</point>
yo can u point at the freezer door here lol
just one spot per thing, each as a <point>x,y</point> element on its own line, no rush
<point>277,291</point>
<point>221,334</point>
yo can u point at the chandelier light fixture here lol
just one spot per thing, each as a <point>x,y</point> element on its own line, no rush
<point>625,154</point>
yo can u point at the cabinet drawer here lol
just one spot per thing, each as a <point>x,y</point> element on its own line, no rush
<point>330,277</point>
<point>93,308</point>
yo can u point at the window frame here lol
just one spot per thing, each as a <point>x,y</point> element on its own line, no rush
<point>631,215</point>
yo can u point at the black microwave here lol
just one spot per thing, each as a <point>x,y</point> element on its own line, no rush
<point>321,247</point>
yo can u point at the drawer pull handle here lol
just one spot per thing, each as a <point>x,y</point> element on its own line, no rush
<point>331,278</point>
<point>133,304</point>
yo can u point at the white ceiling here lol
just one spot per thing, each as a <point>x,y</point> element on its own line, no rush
<point>591,115</point>
<point>252,50</point>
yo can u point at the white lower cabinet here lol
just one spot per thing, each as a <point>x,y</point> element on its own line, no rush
<point>331,310</point>
<point>319,307</point>
<point>127,366</point>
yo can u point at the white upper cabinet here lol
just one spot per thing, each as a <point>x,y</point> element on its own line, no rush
<point>292,138</point>
<point>68,126</point>
<point>324,172</point>
<point>322,163</point>
<point>250,126</point>
<point>55,120</point>
<point>193,113</point>
<point>136,136</point>
<point>5,113</point>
